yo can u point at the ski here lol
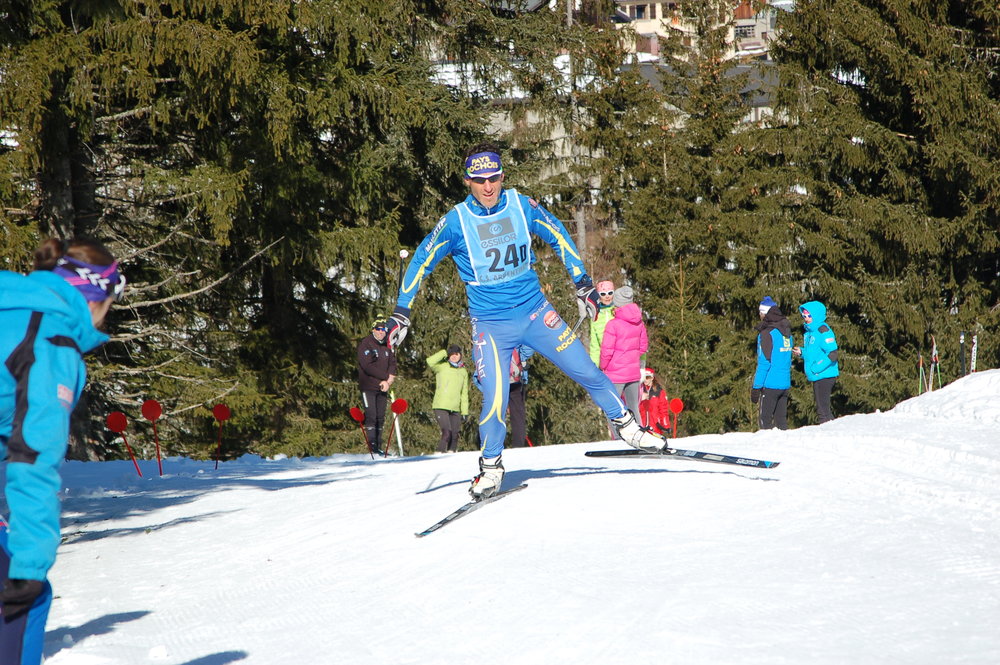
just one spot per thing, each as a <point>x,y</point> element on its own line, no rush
<point>686,454</point>
<point>468,508</point>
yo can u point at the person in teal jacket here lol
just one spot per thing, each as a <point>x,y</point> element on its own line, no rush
<point>451,395</point>
<point>48,320</point>
<point>773,378</point>
<point>819,356</point>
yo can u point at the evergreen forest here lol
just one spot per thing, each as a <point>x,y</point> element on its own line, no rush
<point>257,166</point>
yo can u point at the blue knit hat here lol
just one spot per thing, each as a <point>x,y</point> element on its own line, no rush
<point>766,304</point>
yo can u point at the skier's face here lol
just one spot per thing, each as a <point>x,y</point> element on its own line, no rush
<point>486,190</point>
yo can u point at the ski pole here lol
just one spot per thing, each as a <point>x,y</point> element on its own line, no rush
<point>579,323</point>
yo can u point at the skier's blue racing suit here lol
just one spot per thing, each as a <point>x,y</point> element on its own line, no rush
<point>492,251</point>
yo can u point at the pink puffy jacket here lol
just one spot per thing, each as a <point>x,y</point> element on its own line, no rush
<point>624,343</point>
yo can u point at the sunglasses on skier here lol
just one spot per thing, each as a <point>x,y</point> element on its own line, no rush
<point>481,181</point>
<point>606,293</point>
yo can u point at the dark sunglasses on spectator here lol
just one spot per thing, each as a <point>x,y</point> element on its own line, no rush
<point>493,178</point>
<point>606,293</point>
<point>381,328</point>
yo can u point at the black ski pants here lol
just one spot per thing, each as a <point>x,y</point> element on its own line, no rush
<point>822,389</point>
<point>773,408</point>
<point>374,401</point>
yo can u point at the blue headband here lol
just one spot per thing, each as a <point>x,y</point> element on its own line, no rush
<point>96,283</point>
<point>483,165</point>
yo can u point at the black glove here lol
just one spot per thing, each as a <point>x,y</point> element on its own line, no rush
<point>587,295</point>
<point>18,595</point>
<point>754,395</point>
<point>397,326</point>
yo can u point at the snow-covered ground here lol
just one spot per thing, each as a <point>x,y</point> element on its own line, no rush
<point>877,540</point>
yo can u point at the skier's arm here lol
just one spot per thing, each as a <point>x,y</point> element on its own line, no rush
<point>547,226</point>
<point>428,254</point>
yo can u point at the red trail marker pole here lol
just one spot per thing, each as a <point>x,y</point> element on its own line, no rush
<point>151,410</point>
<point>221,413</point>
<point>676,406</point>
<point>359,417</point>
<point>398,406</point>
<point>117,422</point>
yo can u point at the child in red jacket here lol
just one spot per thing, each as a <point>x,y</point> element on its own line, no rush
<point>654,408</point>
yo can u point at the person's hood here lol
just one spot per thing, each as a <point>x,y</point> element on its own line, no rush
<point>775,319</point>
<point>818,312</point>
<point>44,291</point>
<point>630,313</point>
<point>478,208</point>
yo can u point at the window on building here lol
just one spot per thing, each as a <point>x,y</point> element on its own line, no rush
<point>744,32</point>
<point>640,12</point>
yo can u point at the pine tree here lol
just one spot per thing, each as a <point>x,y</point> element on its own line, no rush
<point>692,227</point>
<point>887,117</point>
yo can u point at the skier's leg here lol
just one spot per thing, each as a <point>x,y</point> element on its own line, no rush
<point>493,343</point>
<point>548,334</point>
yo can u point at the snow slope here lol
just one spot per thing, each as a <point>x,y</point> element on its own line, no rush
<point>875,541</point>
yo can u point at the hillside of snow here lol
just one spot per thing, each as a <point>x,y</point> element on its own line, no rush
<point>877,540</point>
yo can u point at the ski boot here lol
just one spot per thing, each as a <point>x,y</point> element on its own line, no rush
<point>635,435</point>
<point>487,483</point>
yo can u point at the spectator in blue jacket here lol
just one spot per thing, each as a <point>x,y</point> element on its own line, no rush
<point>48,320</point>
<point>819,356</point>
<point>773,378</point>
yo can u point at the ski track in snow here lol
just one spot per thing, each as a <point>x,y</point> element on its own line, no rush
<point>875,541</point>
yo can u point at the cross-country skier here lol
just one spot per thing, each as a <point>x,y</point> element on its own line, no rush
<point>489,238</point>
<point>48,320</point>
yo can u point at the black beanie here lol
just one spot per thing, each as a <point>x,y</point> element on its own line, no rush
<point>453,349</point>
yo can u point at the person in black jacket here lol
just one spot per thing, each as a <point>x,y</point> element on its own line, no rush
<point>376,372</point>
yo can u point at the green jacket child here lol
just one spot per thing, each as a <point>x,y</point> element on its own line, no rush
<point>451,392</point>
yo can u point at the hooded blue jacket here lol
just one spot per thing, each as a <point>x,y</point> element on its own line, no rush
<point>45,327</point>
<point>774,352</point>
<point>819,346</point>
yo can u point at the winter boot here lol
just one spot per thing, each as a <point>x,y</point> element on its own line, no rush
<point>487,483</point>
<point>633,434</point>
